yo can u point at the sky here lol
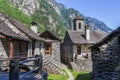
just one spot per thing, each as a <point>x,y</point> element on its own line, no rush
<point>107,11</point>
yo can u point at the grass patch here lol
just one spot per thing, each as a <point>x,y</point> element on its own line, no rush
<point>84,75</point>
<point>57,77</point>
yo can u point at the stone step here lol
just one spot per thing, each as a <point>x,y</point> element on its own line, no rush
<point>49,64</point>
<point>53,67</point>
<point>46,63</point>
<point>56,69</point>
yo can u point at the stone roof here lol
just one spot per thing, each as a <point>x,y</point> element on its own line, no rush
<point>78,37</point>
<point>109,37</point>
<point>78,18</point>
<point>6,31</point>
<point>22,27</point>
<point>48,33</point>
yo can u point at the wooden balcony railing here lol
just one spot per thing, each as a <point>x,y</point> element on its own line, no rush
<point>17,63</point>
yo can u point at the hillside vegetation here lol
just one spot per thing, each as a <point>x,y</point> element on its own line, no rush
<point>47,18</point>
<point>7,8</point>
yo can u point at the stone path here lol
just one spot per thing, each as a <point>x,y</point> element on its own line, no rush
<point>68,72</point>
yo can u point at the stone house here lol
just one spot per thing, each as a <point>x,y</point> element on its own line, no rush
<point>6,38</point>
<point>18,40</point>
<point>106,57</point>
<point>51,47</point>
<point>78,40</point>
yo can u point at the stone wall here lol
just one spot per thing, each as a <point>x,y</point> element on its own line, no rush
<point>82,65</point>
<point>4,48</point>
<point>67,50</point>
<point>54,57</point>
<point>4,52</point>
<point>85,52</point>
<point>56,52</point>
<point>106,61</point>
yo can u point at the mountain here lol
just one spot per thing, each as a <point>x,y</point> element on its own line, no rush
<point>69,14</point>
<point>49,15</point>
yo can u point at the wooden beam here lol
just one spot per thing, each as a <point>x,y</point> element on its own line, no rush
<point>11,49</point>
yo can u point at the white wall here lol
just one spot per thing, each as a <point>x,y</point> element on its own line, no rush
<point>39,48</point>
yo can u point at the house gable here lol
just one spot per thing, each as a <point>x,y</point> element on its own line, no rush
<point>47,35</point>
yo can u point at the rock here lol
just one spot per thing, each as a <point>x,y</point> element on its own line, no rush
<point>26,6</point>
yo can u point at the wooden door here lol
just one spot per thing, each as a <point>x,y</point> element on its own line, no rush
<point>78,50</point>
<point>48,49</point>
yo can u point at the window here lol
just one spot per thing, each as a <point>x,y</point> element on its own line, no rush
<point>79,25</point>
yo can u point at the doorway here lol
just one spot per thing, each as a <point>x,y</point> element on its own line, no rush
<point>48,49</point>
<point>79,50</point>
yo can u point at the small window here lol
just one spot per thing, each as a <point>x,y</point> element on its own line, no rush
<point>79,25</point>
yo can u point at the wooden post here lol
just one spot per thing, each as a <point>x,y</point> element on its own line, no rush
<point>11,49</point>
<point>14,70</point>
<point>38,63</point>
<point>33,48</point>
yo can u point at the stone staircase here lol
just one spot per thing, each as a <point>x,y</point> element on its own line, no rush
<point>51,67</point>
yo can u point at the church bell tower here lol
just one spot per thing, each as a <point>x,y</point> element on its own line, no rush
<point>78,24</point>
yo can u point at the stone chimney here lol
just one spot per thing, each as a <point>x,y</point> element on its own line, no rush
<point>87,32</point>
<point>34,27</point>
